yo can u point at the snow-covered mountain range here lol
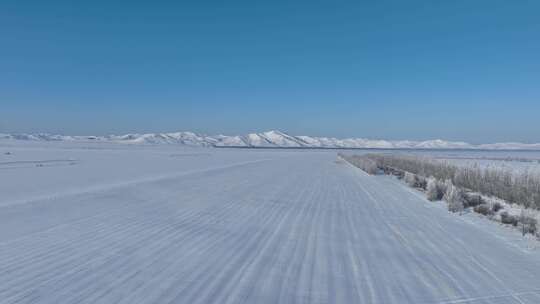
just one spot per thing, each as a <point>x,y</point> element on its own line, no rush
<point>268,139</point>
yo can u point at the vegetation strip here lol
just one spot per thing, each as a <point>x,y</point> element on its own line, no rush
<point>462,187</point>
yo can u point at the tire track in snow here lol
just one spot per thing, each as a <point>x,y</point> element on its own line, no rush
<point>292,230</point>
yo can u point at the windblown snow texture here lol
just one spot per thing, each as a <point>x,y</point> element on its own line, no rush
<point>240,226</point>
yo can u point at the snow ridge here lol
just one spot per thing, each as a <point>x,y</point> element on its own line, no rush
<point>269,139</point>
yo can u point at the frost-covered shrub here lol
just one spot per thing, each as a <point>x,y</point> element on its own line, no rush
<point>410,179</point>
<point>370,167</point>
<point>421,182</point>
<point>522,189</point>
<point>414,180</point>
<point>483,209</point>
<point>434,189</point>
<point>400,174</point>
<point>473,199</point>
<point>362,162</point>
<point>528,222</point>
<point>496,207</point>
<point>454,197</point>
<point>508,219</point>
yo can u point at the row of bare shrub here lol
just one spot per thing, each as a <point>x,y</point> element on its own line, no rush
<point>462,187</point>
<point>364,163</point>
<point>518,188</point>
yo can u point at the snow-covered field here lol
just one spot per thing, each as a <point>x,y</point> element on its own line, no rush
<point>109,223</point>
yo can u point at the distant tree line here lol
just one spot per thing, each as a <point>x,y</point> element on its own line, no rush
<point>519,188</point>
<point>461,187</point>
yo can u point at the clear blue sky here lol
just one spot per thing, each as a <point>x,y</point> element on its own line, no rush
<point>458,70</point>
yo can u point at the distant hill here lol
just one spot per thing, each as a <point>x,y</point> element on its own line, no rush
<point>275,139</point>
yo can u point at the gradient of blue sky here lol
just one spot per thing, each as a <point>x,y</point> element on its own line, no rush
<point>459,70</point>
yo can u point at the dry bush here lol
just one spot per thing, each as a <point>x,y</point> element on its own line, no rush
<point>509,219</point>
<point>473,199</point>
<point>483,209</point>
<point>410,179</point>
<point>454,197</point>
<point>496,207</point>
<point>434,189</point>
<point>528,222</point>
<point>366,164</point>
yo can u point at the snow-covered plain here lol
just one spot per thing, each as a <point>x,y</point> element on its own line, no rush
<point>105,223</point>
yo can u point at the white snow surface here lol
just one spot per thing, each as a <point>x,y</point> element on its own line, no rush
<point>267,139</point>
<point>104,223</point>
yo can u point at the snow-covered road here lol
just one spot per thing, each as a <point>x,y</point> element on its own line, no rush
<point>250,227</point>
